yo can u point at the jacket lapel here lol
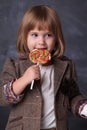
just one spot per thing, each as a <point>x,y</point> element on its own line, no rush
<point>59,69</point>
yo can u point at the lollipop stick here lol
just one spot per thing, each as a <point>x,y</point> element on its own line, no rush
<point>31,87</point>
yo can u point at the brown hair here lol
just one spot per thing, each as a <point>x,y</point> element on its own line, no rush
<point>45,17</point>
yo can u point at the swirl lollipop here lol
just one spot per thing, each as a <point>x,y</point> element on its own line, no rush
<point>39,56</point>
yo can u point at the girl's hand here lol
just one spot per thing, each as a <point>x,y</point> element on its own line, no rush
<point>32,73</point>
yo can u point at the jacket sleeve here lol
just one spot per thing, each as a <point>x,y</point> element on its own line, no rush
<point>8,74</point>
<point>10,95</point>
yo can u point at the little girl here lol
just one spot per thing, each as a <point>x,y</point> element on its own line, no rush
<point>55,90</point>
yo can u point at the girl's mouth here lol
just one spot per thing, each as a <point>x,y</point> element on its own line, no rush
<point>41,48</point>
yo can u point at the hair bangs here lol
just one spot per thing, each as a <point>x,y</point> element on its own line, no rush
<point>42,22</point>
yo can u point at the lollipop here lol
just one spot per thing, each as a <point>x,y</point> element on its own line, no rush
<point>39,56</point>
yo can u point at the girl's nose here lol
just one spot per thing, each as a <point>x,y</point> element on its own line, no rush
<point>42,40</point>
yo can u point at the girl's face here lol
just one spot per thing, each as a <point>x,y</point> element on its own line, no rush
<point>40,39</point>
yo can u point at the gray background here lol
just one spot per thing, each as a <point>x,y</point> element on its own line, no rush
<point>73,16</point>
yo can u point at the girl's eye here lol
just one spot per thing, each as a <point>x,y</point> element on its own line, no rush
<point>49,35</point>
<point>34,35</point>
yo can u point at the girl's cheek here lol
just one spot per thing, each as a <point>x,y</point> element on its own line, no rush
<point>51,48</point>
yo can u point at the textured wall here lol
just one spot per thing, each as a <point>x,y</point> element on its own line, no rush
<point>73,16</point>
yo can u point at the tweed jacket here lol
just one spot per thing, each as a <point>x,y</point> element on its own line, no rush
<point>26,115</point>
